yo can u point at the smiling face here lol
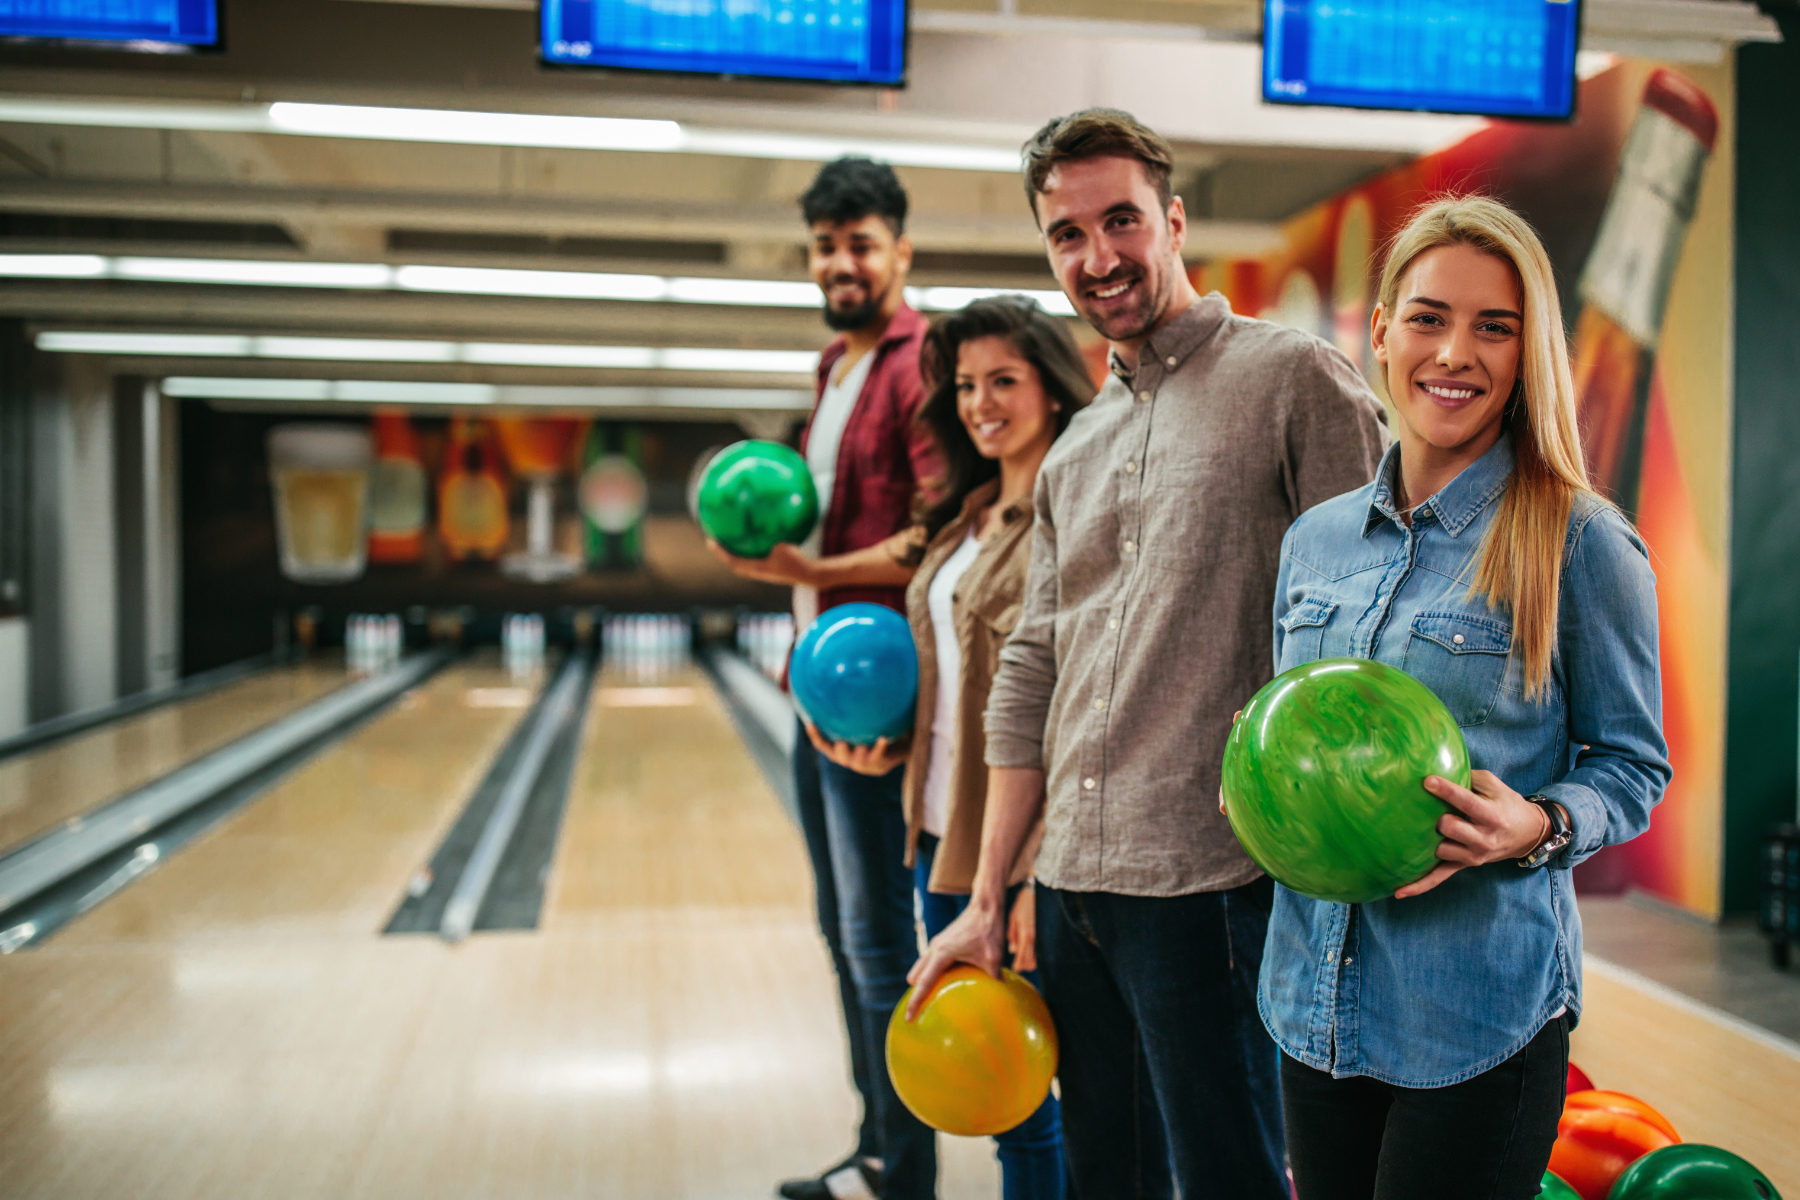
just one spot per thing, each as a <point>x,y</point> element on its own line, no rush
<point>1451,349</point>
<point>1114,248</point>
<point>861,266</point>
<point>1001,400</point>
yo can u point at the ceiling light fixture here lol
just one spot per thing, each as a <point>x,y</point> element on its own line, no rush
<point>515,354</point>
<point>383,391</point>
<point>539,130</point>
<point>481,281</point>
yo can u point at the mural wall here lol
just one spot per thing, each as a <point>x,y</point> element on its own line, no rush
<point>1634,202</point>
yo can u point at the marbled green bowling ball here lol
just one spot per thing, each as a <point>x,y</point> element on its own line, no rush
<point>754,495</point>
<point>1324,778</point>
<point>1691,1171</point>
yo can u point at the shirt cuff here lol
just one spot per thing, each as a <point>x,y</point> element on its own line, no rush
<point>1587,822</point>
<point>1012,750</point>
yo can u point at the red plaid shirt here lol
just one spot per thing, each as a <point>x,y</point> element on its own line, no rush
<point>886,457</point>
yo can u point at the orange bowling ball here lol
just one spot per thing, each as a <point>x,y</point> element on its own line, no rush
<point>1618,1102</point>
<point>980,1057</point>
<point>1594,1146</point>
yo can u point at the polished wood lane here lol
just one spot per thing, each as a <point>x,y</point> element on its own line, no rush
<point>43,788</point>
<point>1715,1084</point>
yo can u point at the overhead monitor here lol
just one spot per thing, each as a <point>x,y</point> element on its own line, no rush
<point>153,25</point>
<point>1498,58</point>
<point>835,41</point>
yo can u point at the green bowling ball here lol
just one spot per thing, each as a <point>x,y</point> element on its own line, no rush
<point>1553,1188</point>
<point>755,495</point>
<point>1324,775</point>
<point>1690,1171</point>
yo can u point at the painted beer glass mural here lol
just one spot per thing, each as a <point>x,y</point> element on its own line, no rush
<point>1633,202</point>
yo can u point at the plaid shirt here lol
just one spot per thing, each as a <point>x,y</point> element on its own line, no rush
<point>885,459</point>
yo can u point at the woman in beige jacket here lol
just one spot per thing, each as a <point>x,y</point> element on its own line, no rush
<point>1005,378</point>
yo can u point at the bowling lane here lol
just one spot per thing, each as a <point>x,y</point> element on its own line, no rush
<point>45,788</point>
<point>231,1024</point>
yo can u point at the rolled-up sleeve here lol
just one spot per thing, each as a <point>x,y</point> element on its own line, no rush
<point>1607,642</point>
<point>1019,702</point>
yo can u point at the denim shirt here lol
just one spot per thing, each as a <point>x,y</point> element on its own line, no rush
<point>1438,988</point>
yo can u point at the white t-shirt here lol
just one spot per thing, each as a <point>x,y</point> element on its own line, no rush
<point>829,421</point>
<point>939,599</point>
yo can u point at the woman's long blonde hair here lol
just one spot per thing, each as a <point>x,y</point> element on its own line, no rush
<point>1521,557</point>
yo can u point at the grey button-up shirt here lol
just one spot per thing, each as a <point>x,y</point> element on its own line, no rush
<point>1148,610</point>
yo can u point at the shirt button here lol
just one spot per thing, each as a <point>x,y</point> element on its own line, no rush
<point>1112,622</point>
<point>1100,704</point>
<point>1331,956</point>
<point>1088,783</point>
<point>1171,360</point>
<point>1143,395</point>
<point>1130,546</point>
<point>1458,639</point>
<point>1131,468</point>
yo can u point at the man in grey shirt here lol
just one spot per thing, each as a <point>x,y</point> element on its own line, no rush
<point>1146,622</point>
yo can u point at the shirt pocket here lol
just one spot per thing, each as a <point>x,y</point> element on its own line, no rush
<point>1303,631</point>
<point>1461,658</point>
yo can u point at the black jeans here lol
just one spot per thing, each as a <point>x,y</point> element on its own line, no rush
<point>855,831</point>
<point>1169,1081</point>
<point>1486,1138</point>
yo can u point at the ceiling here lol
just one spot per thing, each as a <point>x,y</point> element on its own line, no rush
<point>180,161</point>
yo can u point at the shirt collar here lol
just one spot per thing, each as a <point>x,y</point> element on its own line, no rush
<point>1170,345</point>
<point>1457,503</point>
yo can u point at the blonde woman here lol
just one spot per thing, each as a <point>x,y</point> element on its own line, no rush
<point>1425,1036</point>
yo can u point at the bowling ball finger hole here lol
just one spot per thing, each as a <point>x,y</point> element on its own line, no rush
<point>1762,1189</point>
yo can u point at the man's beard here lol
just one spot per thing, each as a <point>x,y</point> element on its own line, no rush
<point>862,316</point>
<point>1132,323</point>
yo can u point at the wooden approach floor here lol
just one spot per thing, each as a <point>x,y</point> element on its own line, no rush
<point>234,1025</point>
<point>46,787</point>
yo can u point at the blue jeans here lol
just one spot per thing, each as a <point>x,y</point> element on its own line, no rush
<point>1169,1081</point>
<point>1031,1165</point>
<point>855,832</point>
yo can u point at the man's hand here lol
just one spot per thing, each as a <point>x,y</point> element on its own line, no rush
<point>1491,822</point>
<point>787,564</point>
<point>878,759</point>
<point>1021,930</point>
<point>976,936</point>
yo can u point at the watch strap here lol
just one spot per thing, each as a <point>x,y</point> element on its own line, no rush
<point>1554,842</point>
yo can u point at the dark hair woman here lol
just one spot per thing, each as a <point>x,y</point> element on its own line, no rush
<point>1005,379</point>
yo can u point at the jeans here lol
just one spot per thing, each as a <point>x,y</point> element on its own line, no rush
<point>1031,1164</point>
<point>1169,1080</point>
<point>1361,1139</point>
<point>855,833</point>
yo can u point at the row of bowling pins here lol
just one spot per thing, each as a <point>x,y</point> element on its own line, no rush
<point>646,645</point>
<point>765,639</point>
<point>522,642</point>
<point>373,643</point>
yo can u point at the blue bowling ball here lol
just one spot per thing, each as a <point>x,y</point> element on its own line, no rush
<point>855,674</point>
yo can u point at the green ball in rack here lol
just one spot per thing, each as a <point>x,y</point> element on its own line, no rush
<point>1324,778</point>
<point>755,495</point>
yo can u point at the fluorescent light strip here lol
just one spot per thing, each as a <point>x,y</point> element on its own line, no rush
<point>501,129</point>
<point>479,281</point>
<point>370,391</point>
<point>518,354</point>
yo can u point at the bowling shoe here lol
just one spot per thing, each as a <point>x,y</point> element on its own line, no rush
<point>853,1179</point>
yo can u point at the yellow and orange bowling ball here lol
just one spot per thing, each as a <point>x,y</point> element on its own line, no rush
<point>980,1057</point>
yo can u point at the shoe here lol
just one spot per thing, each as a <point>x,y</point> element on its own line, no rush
<point>853,1179</point>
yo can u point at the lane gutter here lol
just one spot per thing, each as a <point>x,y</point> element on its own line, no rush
<point>764,716</point>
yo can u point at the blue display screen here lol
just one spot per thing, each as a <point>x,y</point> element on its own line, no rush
<point>168,22</point>
<point>1505,58</point>
<point>841,41</point>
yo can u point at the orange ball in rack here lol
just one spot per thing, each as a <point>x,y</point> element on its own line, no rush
<point>1619,1102</point>
<point>980,1056</point>
<point>1595,1145</point>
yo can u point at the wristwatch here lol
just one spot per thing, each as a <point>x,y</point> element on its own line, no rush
<point>1560,835</point>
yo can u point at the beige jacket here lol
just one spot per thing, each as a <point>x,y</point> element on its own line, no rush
<point>985,608</point>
